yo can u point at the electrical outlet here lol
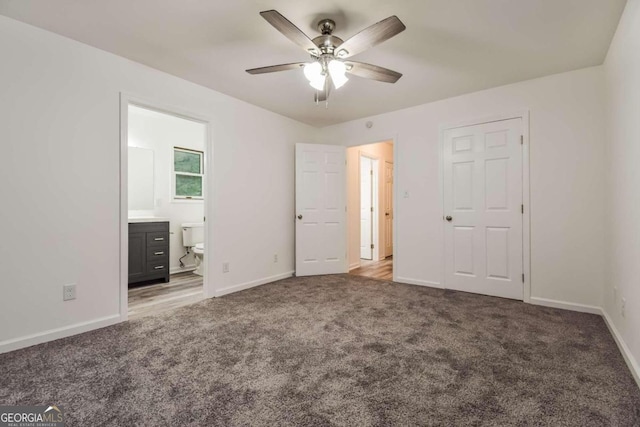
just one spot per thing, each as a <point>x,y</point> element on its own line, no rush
<point>275,257</point>
<point>69,292</point>
<point>623,307</point>
<point>225,267</point>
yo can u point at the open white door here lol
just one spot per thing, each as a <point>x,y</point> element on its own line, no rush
<point>366,208</point>
<point>388,209</point>
<point>321,210</point>
<point>483,209</point>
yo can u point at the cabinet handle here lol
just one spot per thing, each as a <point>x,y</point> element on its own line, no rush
<point>158,253</point>
<point>160,267</point>
<point>159,239</point>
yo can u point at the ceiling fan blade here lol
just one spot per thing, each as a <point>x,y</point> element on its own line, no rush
<point>371,36</point>
<point>373,72</point>
<point>289,30</point>
<point>274,68</point>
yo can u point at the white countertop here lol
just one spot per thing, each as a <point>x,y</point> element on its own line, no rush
<point>147,219</point>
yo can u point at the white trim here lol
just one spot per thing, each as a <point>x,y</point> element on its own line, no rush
<point>57,333</point>
<point>526,201</point>
<point>252,284</point>
<point>354,266</point>
<point>396,206</point>
<point>418,282</point>
<point>125,100</point>
<point>124,208</point>
<point>631,362</point>
<point>383,254</point>
<point>582,308</point>
<point>185,269</point>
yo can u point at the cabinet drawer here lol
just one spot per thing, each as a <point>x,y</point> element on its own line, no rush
<point>158,266</point>
<point>157,253</point>
<point>160,238</point>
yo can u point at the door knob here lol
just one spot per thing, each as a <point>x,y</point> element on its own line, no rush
<point>386,214</point>
<point>449,218</point>
<point>299,216</point>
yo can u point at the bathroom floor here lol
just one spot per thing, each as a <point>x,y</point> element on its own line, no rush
<point>182,289</point>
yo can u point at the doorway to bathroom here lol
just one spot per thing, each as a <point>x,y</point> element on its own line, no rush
<point>370,210</point>
<point>165,236</point>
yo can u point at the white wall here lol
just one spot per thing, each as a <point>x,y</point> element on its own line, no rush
<point>161,133</point>
<point>622,76</point>
<point>59,127</point>
<point>567,179</point>
<point>383,151</point>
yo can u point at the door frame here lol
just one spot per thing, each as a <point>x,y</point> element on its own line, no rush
<point>394,141</point>
<point>375,199</point>
<point>125,100</point>
<point>526,217</point>
<point>393,207</point>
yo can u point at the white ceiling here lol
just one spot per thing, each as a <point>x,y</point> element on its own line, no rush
<point>450,47</point>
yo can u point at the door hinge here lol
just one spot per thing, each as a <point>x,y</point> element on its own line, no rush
<point>371,208</point>
<point>522,209</point>
<point>521,139</point>
<point>522,277</point>
<point>372,246</point>
<point>371,172</point>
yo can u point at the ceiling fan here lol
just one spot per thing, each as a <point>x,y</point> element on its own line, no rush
<point>329,53</point>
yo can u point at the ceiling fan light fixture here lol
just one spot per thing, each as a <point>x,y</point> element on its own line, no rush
<point>313,73</point>
<point>337,71</point>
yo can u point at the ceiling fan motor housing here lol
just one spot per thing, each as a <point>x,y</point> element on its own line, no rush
<point>326,26</point>
<point>327,43</point>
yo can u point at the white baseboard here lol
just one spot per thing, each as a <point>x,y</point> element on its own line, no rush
<point>186,268</point>
<point>582,308</point>
<point>632,363</point>
<point>54,334</point>
<point>419,282</point>
<point>252,284</point>
<point>354,266</point>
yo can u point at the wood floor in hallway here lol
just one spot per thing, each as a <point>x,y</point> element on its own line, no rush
<point>382,270</point>
<point>182,289</point>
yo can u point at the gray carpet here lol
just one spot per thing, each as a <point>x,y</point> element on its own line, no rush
<point>335,350</point>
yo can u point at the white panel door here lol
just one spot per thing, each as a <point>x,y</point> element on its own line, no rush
<point>482,206</point>
<point>366,208</point>
<point>321,211</point>
<point>388,209</point>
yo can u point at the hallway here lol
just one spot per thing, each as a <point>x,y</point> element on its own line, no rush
<point>382,270</point>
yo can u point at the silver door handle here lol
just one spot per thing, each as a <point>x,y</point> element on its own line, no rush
<point>160,267</point>
<point>159,239</point>
<point>158,253</point>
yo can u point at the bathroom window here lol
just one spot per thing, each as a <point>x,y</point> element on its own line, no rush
<point>188,173</point>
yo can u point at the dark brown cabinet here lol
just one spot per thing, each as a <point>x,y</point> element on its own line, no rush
<point>148,251</point>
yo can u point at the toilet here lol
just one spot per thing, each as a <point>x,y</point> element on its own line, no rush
<point>193,237</point>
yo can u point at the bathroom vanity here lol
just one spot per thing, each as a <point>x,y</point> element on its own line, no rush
<point>148,250</point>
